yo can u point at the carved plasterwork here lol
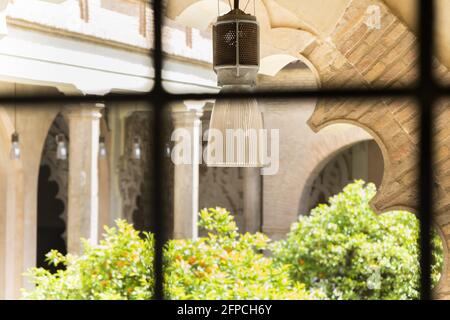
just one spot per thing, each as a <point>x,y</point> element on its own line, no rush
<point>330,181</point>
<point>59,169</point>
<point>135,174</point>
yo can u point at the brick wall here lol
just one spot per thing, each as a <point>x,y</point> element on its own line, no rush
<point>357,55</point>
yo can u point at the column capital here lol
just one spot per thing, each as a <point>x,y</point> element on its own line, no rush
<point>195,105</point>
<point>84,110</point>
<point>184,116</point>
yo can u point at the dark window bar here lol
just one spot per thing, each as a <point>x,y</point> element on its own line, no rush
<point>158,103</point>
<point>426,93</point>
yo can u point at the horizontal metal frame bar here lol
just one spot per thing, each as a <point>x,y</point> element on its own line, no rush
<point>440,92</point>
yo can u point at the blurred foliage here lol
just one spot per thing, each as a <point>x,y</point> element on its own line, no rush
<point>349,252</point>
<point>116,269</point>
<point>340,251</point>
<point>223,265</point>
<point>227,265</point>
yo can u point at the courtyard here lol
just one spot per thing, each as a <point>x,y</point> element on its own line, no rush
<point>182,149</point>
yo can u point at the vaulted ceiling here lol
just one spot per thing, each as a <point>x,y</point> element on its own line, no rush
<point>321,15</point>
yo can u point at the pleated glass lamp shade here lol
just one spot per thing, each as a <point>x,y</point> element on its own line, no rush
<point>235,136</point>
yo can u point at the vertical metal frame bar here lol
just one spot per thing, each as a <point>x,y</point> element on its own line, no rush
<point>158,102</point>
<point>426,96</point>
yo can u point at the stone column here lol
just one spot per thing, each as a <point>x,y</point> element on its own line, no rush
<point>186,119</point>
<point>360,161</point>
<point>252,199</point>
<point>83,211</point>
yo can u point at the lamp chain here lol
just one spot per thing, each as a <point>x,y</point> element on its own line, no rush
<point>15,107</point>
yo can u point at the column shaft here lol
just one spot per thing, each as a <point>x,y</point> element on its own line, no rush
<point>83,212</point>
<point>186,184</point>
<point>252,199</point>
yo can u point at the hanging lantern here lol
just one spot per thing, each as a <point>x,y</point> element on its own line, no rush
<point>61,147</point>
<point>14,153</point>
<point>236,48</point>
<point>102,147</point>
<point>234,138</point>
<point>137,150</point>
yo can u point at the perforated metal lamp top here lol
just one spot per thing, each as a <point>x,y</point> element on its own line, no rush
<point>236,14</point>
<point>236,48</point>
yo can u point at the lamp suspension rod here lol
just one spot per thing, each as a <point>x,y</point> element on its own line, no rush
<point>236,4</point>
<point>248,1</point>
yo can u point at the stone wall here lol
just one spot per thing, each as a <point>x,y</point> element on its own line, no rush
<point>91,21</point>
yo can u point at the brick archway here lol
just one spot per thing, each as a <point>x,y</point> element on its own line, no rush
<point>19,219</point>
<point>355,55</point>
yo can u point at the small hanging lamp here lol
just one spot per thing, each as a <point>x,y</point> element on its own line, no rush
<point>15,152</point>
<point>234,138</point>
<point>102,147</point>
<point>61,147</point>
<point>136,152</point>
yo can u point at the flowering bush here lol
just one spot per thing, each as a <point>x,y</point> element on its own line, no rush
<point>341,251</point>
<point>223,265</point>
<point>349,252</point>
<point>227,265</point>
<point>118,268</point>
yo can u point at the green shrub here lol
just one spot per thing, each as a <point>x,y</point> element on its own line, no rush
<point>117,269</point>
<point>341,251</point>
<point>349,252</point>
<point>227,265</point>
<point>223,265</point>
